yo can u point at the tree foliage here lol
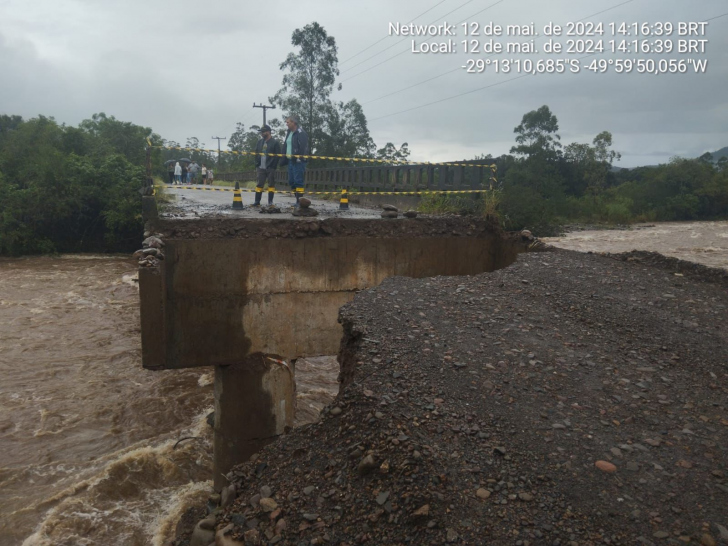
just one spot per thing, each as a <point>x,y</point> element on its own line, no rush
<point>537,137</point>
<point>346,133</point>
<point>390,152</point>
<point>309,80</point>
<point>69,189</point>
<point>545,186</point>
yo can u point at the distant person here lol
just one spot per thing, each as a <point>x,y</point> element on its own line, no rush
<point>296,143</point>
<point>177,173</point>
<point>193,170</point>
<point>203,174</point>
<point>209,176</point>
<point>266,166</point>
<point>170,171</point>
<point>184,174</point>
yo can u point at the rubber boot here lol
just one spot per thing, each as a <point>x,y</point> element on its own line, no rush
<point>258,195</point>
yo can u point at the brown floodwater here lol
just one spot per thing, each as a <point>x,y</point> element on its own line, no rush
<point>701,242</point>
<point>88,438</point>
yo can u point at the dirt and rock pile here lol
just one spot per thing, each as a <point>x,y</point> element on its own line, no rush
<point>568,399</point>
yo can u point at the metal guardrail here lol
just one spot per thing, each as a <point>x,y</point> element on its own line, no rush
<point>400,178</point>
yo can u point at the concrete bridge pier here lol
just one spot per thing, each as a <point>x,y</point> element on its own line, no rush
<point>236,292</point>
<point>254,404</point>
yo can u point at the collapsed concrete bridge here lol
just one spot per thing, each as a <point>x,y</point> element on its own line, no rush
<point>250,296</point>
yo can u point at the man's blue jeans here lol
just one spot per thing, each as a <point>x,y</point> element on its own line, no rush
<point>295,174</point>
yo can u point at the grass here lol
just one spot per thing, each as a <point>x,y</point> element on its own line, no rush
<point>482,204</point>
<point>160,191</point>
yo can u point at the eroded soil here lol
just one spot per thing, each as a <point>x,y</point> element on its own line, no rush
<point>475,409</point>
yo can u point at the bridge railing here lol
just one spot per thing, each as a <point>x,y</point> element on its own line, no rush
<point>442,177</point>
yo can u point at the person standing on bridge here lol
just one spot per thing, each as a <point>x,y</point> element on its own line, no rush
<point>177,173</point>
<point>266,165</point>
<point>170,171</point>
<point>296,143</point>
<point>193,169</point>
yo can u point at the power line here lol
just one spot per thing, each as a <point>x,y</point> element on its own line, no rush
<point>429,79</point>
<point>246,116</point>
<point>406,51</point>
<point>449,98</point>
<point>404,39</point>
<point>385,37</point>
<point>489,55</point>
<point>411,86</point>
<point>603,11</point>
<point>716,17</point>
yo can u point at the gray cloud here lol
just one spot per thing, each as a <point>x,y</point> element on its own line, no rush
<point>187,69</point>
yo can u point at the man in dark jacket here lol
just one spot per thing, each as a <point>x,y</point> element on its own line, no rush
<point>266,165</point>
<point>296,143</point>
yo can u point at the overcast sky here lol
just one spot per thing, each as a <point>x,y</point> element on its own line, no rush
<point>189,69</point>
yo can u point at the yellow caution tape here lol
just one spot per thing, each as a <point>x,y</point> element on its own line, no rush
<point>338,192</point>
<point>330,158</point>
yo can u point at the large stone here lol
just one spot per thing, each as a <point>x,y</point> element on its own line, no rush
<point>605,466</point>
<point>483,493</point>
<point>390,214</point>
<point>223,538</point>
<point>304,202</point>
<point>152,242</point>
<point>390,207</point>
<point>268,504</point>
<point>201,537</point>
<point>366,465</point>
<point>227,496</point>
<point>305,212</point>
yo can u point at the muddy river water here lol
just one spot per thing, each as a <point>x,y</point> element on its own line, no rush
<point>88,438</point>
<point>89,450</point>
<point>702,242</point>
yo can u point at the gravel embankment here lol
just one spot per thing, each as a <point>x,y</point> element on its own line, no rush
<point>569,399</point>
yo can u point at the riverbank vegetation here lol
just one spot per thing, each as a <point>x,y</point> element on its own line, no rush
<point>543,184</point>
<point>70,189</point>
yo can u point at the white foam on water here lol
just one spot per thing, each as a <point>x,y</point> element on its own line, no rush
<point>206,379</point>
<point>139,492</point>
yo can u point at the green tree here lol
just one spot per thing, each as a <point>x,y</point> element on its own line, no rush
<point>390,152</point>
<point>309,80</point>
<point>110,135</point>
<point>590,166</point>
<point>346,133</point>
<point>537,135</point>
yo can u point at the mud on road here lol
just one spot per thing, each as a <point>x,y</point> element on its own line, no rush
<point>567,399</point>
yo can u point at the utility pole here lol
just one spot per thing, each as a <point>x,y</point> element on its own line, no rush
<point>218,149</point>
<point>264,107</point>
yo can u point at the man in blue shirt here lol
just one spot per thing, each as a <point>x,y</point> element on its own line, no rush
<point>296,144</point>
